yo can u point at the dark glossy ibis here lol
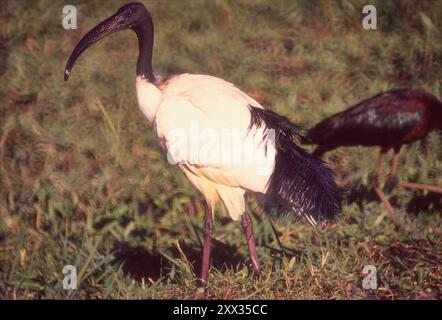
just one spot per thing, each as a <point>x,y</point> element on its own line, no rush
<point>388,120</point>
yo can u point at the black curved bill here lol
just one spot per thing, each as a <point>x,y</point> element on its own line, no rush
<point>108,26</point>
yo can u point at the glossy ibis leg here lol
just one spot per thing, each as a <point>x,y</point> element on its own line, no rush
<point>379,165</point>
<point>375,181</point>
<point>420,186</point>
<point>407,185</point>
<point>208,228</point>
<point>246,223</point>
<point>392,179</point>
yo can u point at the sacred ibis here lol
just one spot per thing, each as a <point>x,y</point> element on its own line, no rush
<point>186,109</point>
<point>390,120</point>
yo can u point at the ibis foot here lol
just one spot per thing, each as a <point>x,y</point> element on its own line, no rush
<point>201,293</point>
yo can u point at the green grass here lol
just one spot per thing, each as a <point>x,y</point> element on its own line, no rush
<point>84,182</point>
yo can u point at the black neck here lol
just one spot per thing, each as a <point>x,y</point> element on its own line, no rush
<point>145,33</point>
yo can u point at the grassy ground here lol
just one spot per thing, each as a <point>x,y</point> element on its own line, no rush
<point>83,181</point>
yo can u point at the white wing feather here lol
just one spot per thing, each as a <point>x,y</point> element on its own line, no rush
<point>193,105</point>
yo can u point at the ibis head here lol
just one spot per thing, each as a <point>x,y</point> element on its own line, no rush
<point>132,16</point>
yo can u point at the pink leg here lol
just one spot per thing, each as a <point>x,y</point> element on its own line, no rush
<point>375,181</point>
<point>248,228</point>
<point>208,228</point>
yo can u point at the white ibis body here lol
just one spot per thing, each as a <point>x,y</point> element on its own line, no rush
<point>288,177</point>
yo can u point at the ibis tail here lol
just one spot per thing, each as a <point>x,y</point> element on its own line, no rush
<point>300,182</point>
